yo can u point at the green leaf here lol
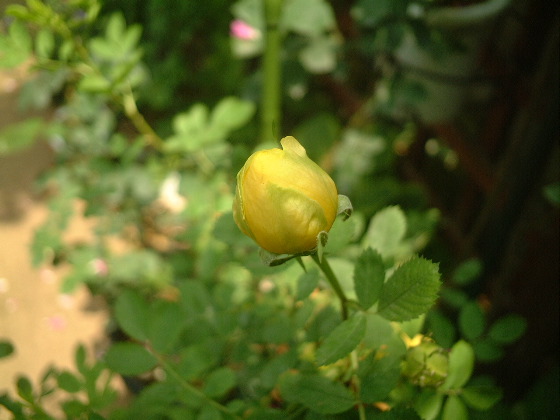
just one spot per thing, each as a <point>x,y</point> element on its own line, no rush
<point>25,389</point>
<point>442,329</point>
<point>508,329</point>
<point>386,231</point>
<point>308,17</point>
<point>44,43</point>
<point>306,283</point>
<point>481,397</point>
<point>369,275</point>
<point>461,363</point>
<point>552,193</point>
<point>472,321</point>
<point>467,272</point>
<point>454,409</point>
<point>342,340</point>
<point>69,382</point>
<point>94,83</point>
<point>133,315</point>
<point>319,56</point>
<point>219,382</point>
<point>209,412</point>
<point>15,48</point>
<point>129,359</point>
<point>487,350</point>
<point>428,404</point>
<point>6,348</point>
<point>410,291</point>
<point>316,392</point>
<point>21,135</point>
<point>232,113</point>
<point>165,325</point>
<point>378,377</point>
<point>454,297</point>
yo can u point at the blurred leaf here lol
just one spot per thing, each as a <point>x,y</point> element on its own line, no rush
<point>195,359</point>
<point>69,382</point>
<point>386,230</point>
<point>166,321</point>
<point>306,283</point>
<point>461,363</point>
<point>219,382</point>
<point>94,83</point>
<point>487,350</point>
<point>232,113</point>
<point>428,404</point>
<point>133,315</point>
<point>15,47</point>
<point>410,291</point>
<point>454,297</point>
<point>369,275</point>
<point>442,329</point>
<point>508,329</point>
<point>316,392</point>
<point>129,359</point>
<point>319,56</point>
<point>481,397</point>
<point>342,340</point>
<point>308,17</point>
<point>468,272</point>
<point>379,377</point>
<point>18,136</point>
<point>372,12</point>
<point>472,321</point>
<point>318,134</point>
<point>44,43</point>
<point>454,409</point>
<point>552,193</point>
<point>6,348</point>
<point>25,389</point>
<point>209,412</point>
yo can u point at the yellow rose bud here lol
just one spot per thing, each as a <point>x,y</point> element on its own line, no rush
<point>283,199</point>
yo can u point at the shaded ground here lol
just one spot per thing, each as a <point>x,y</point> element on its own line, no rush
<point>44,325</point>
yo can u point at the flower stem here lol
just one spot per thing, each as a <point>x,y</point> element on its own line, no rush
<point>271,91</point>
<point>331,277</point>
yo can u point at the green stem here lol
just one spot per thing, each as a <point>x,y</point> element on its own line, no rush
<point>331,277</point>
<point>357,384</point>
<point>271,91</point>
<point>143,127</point>
<point>191,389</point>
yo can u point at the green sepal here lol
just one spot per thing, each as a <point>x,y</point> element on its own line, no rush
<point>272,260</point>
<point>344,207</point>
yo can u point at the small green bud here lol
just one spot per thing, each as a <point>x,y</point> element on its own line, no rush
<point>426,364</point>
<point>283,199</point>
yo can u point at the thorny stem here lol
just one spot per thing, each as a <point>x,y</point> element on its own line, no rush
<point>331,277</point>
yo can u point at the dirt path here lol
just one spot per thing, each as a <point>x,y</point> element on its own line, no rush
<point>44,325</point>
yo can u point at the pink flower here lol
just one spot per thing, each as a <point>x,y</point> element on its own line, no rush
<point>242,30</point>
<point>100,267</point>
